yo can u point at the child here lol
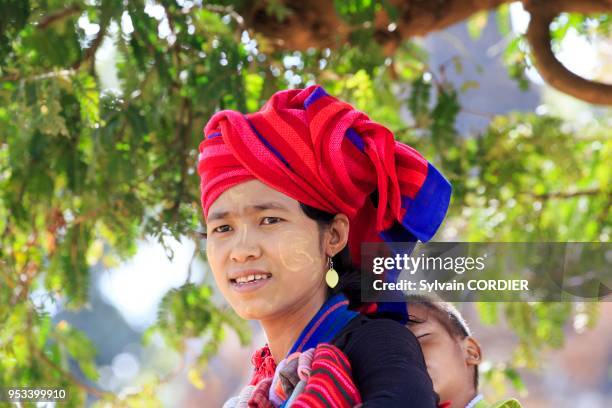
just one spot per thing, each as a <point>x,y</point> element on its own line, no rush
<point>451,354</point>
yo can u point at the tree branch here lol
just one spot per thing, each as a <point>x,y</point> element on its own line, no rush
<point>317,24</point>
<point>49,19</point>
<point>548,66</point>
<point>67,374</point>
<point>184,124</point>
<point>91,51</point>
<point>567,194</point>
<point>229,10</point>
<point>89,54</point>
<point>604,215</point>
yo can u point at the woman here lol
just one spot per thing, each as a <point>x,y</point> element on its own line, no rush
<point>289,193</point>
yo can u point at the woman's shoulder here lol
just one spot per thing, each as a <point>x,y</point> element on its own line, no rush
<point>386,363</point>
<point>364,332</point>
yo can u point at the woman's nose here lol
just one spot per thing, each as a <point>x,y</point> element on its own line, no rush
<point>247,245</point>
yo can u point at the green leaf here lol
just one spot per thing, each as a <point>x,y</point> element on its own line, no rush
<point>502,17</point>
<point>88,95</point>
<point>419,100</point>
<point>254,86</point>
<point>356,11</point>
<point>476,23</point>
<point>467,85</point>
<point>488,312</point>
<point>515,379</point>
<point>391,10</point>
<point>80,348</point>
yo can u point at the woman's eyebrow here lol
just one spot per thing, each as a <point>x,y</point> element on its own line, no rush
<point>267,206</point>
<point>217,215</point>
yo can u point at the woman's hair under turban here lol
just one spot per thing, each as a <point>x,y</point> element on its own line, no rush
<point>324,153</point>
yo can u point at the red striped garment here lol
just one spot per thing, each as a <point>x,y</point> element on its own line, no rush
<point>324,153</point>
<point>329,383</point>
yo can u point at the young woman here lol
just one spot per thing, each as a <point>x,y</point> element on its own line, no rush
<point>289,193</point>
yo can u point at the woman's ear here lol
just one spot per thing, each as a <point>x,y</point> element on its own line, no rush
<point>471,347</point>
<point>337,235</point>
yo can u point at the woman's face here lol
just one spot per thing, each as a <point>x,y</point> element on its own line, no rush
<point>264,252</point>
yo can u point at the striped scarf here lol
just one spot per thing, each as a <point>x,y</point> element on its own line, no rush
<point>315,373</point>
<point>324,153</point>
<point>333,316</point>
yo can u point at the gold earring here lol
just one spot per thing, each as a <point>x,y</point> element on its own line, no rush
<point>331,277</point>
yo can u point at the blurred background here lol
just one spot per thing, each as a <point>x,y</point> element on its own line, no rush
<point>104,285</point>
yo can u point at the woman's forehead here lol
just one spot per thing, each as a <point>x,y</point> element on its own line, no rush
<point>252,194</point>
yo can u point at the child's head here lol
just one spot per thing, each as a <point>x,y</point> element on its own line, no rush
<point>451,354</point>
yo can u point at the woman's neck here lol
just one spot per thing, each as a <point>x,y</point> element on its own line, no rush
<point>282,331</point>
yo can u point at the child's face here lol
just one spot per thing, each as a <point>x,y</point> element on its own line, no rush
<point>445,355</point>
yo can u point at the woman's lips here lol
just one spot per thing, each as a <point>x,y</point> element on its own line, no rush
<point>245,287</point>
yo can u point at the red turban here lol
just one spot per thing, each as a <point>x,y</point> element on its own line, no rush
<point>324,153</point>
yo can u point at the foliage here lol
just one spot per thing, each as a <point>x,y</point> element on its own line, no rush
<point>188,312</point>
<point>594,28</point>
<point>90,163</point>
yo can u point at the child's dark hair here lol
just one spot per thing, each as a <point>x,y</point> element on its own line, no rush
<point>349,283</point>
<point>448,316</point>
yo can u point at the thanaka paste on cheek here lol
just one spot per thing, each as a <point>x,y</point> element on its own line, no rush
<point>293,249</point>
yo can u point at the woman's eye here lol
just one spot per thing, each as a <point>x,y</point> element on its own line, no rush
<point>222,228</point>
<point>270,220</point>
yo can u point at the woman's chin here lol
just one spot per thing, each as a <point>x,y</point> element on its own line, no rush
<point>254,309</point>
